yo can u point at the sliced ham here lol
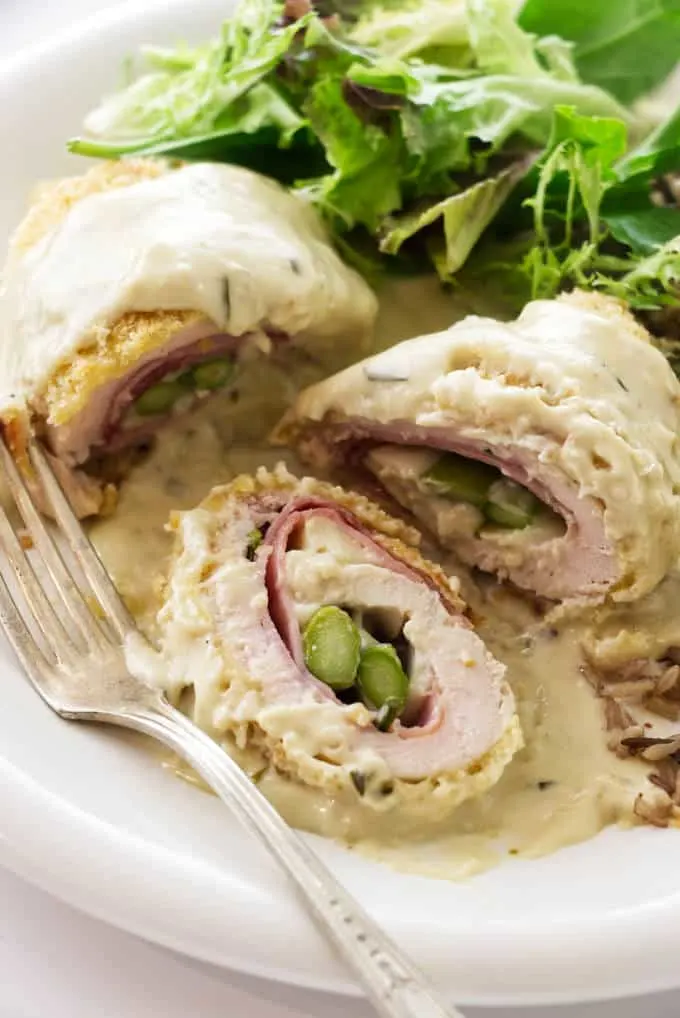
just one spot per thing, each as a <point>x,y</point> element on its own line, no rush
<point>231,632</point>
<point>570,402</point>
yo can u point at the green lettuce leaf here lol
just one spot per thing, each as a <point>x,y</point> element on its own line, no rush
<point>462,219</point>
<point>592,228</point>
<point>499,45</point>
<point>644,230</point>
<point>434,30</point>
<point>648,284</point>
<point>397,132</point>
<point>515,95</point>
<point>625,46</point>
<point>388,76</point>
<point>492,108</point>
<point>363,186</point>
<point>632,216</point>
<point>258,150</point>
<point>568,227</point>
<point>194,92</point>
<point>658,153</point>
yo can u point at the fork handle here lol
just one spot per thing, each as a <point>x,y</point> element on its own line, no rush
<point>393,983</point>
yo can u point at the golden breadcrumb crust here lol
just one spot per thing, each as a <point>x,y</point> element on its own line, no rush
<point>111,351</point>
<point>52,201</point>
<point>109,355</point>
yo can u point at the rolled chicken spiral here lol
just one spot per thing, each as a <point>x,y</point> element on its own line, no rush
<point>134,292</point>
<point>306,624</point>
<point>545,450</point>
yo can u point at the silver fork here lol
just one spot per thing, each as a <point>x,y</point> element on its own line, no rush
<point>78,668</point>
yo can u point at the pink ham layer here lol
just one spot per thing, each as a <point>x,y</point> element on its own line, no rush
<point>466,713</point>
<point>278,538</point>
<point>97,426</point>
<point>580,563</point>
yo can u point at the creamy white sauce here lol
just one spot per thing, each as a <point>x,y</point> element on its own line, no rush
<point>209,238</point>
<point>562,788</point>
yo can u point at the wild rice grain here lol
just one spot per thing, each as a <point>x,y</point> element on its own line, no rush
<point>656,812</point>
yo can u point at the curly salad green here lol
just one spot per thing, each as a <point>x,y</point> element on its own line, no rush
<point>468,135</point>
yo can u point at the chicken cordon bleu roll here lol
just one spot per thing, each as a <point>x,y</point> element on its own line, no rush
<point>307,626</point>
<point>544,450</point>
<point>137,290</point>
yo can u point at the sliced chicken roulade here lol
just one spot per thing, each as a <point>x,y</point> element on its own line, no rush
<point>134,292</point>
<point>308,626</point>
<point>545,450</point>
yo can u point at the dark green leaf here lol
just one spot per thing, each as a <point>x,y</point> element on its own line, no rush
<point>625,46</point>
<point>646,230</point>
<point>627,206</point>
<point>658,153</point>
<point>259,152</point>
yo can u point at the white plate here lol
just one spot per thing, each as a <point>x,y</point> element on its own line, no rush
<point>88,816</point>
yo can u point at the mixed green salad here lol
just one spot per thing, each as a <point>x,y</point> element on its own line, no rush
<point>468,135</point>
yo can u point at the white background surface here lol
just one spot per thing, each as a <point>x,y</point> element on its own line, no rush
<point>59,964</point>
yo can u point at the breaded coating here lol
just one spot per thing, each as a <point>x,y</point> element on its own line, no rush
<point>52,200</point>
<point>109,356</point>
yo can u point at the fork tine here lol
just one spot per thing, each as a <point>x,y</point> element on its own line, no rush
<point>74,601</point>
<point>87,557</point>
<point>46,618</point>
<point>19,635</point>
